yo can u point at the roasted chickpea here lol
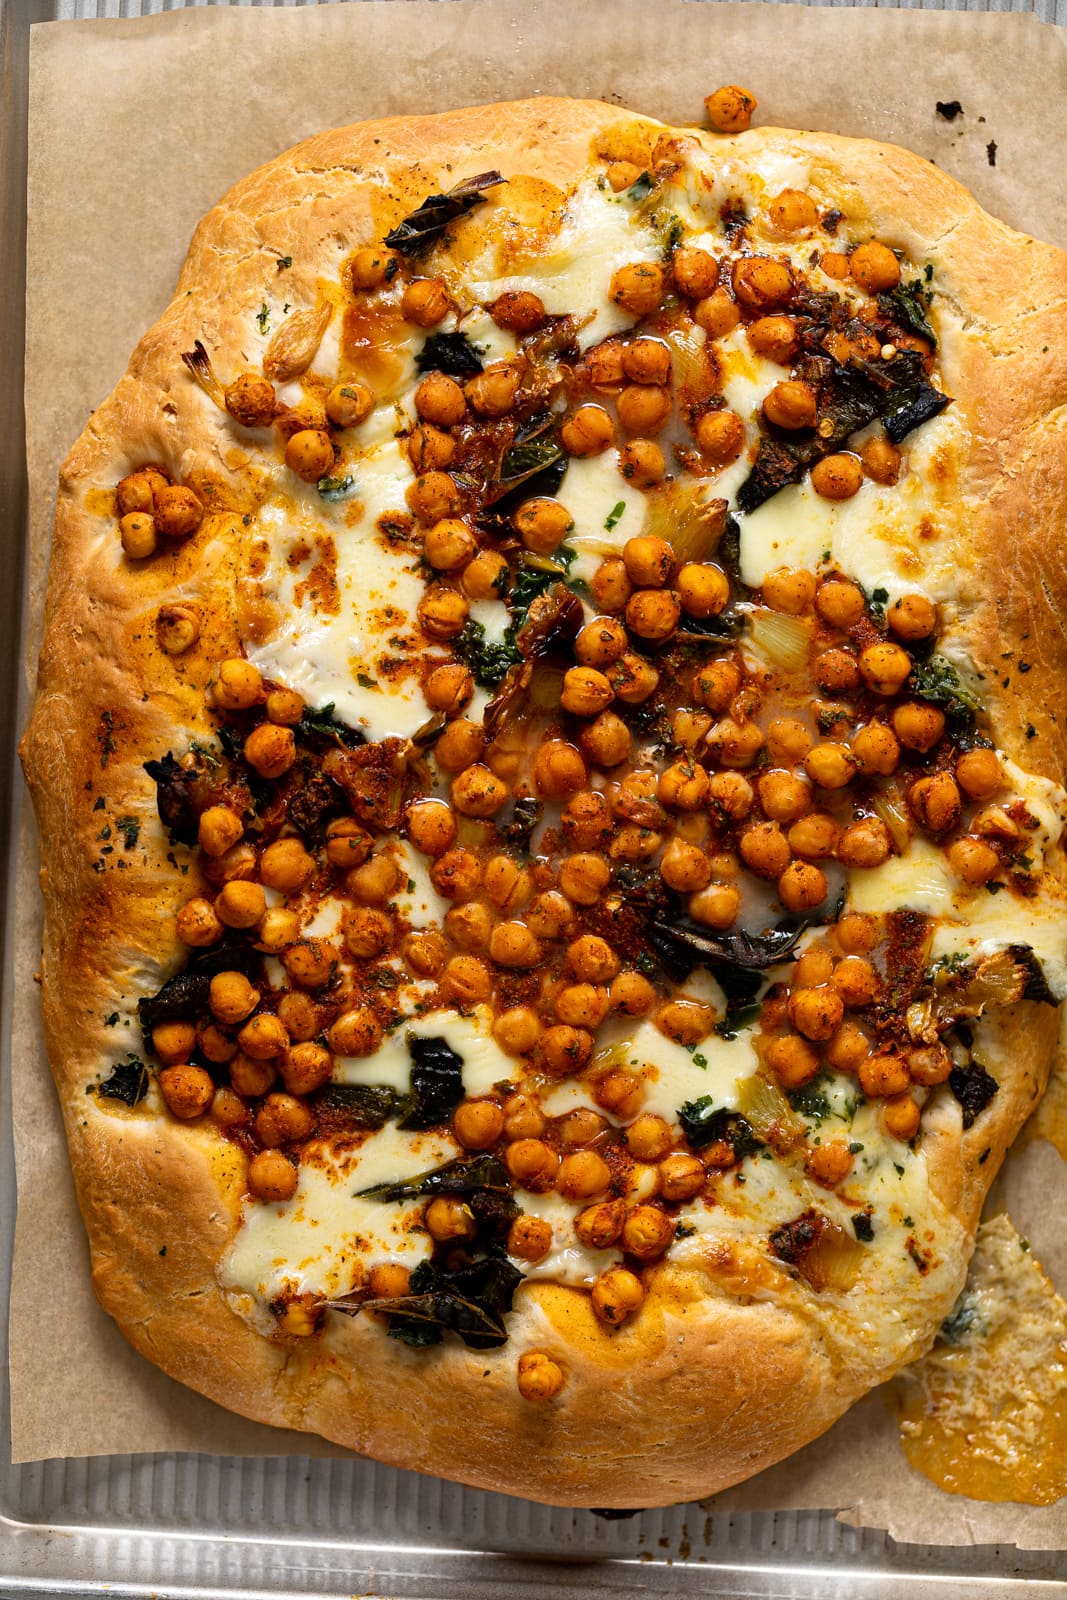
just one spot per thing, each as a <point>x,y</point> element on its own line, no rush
<point>448,545</point>
<point>439,399</point>
<point>460,745</point>
<point>469,925</point>
<point>388,1281</point>
<point>372,266</point>
<point>599,1226</point>
<point>638,288</point>
<point>829,1163</point>
<point>620,1093</point>
<point>270,750</point>
<point>632,995</point>
<point>263,1037</point>
<point>792,1060</point>
<point>730,109</point>
<point>604,365</point>
<point>633,678</point>
<point>179,512</point>
<point>912,617</point>
<point>493,392</point>
<point>649,1138</point>
<point>251,401</point>
<point>789,589</point>
<point>717,313</point>
<point>426,302</point>
<point>791,405</point>
<point>792,211</point>
<point>231,997</point>
<point>585,692</point>
<point>478,1124</point>
<point>616,1295</point>
<point>816,1013</point>
<point>368,932</point>
<point>802,887</point>
<point>375,882</point>
<point>764,849</point>
<point>647,361</point>
<point>277,928</point>
<point>881,461</point>
<point>838,476</point>
<point>533,1164</point>
<point>611,586</point>
<point>349,404</point>
<point>239,861</point>
<point>830,765</point>
<point>467,979</point>
<point>251,1078</point>
<point>559,770</point>
<point>449,688</point>
<point>643,408</point>
<point>587,431</point>
<point>917,725</point>
<point>443,613</point>
<point>642,463</point>
<point>486,576</point>
<point>883,1075</point>
<point>685,1021</point>
<point>542,524</point>
<point>720,435</point>
<point>240,904</point>
<point>684,867</point>
<point>839,602</point>
<point>517,310</point>
<point>197,922</point>
<point>717,906</point>
<point>431,827</point>
<point>283,1119</point>
<point>424,953</point>
<point>565,1048</point>
<point>973,861</point>
<point>935,802</point>
<point>783,796</point>
<point>310,454</point>
<point>884,667</point>
<point>653,614</point>
<point>979,773</point>
<point>429,448</point>
<point>715,684</point>
<point>876,750</point>
<point>173,1041</point>
<point>874,267</point>
<point>434,497</point>
<point>478,792</point>
<point>864,844</point>
<point>582,1174</point>
<point>683,786</point>
<point>761,283</point>
<point>305,1068</point>
<point>457,875</point>
<point>285,707</point>
<point>647,1233</point>
<point>901,1117</point>
<point>529,1238</point>
<point>286,866</point>
<point>137,491</point>
<point>137,530</point>
<point>447,1217</point>
<point>538,1377</point>
<point>272,1177</point>
<point>703,589</point>
<point>551,916</point>
<point>929,1064</point>
<point>695,271</point>
<point>735,744</point>
<point>238,685</point>
<point>511,944</point>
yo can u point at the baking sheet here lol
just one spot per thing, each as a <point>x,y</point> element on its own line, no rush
<point>228,89</point>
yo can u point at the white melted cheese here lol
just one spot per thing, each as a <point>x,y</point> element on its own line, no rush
<point>316,1242</point>
<point>598,234</point>
<point>323,653</point>
<point>567,1260</point>
<point>471,1037</point>
<point>595,493</point>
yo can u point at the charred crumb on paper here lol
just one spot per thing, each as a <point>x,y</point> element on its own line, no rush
<point>991,152</point>
<point>949,110</point>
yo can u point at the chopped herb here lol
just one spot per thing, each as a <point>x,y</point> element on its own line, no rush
<point>641,187</point>
<point>615,514</point>
<point>100,803</point>
<point>451,353</point>
<point>938,682</point>
<point>365,681</point>
<point>704,1123</point>
<point>991,152</point>
<point>321,723</point>
<point>130,828</point>
<point>699,1060</point>
<point>335,488</point>
<point>488,662</point>
<point>421,230</point>
<point>128,1082</point>
<point>949,109</point>
<point>898,1169</point>
<point>110,1021</point>
<point>862,1227</point>
<point>810,1102</point>
<point>283,262</point>
<point>854,1147</point>
<point>263,318</point>
<point>107,741</point>
<point>879,601</point>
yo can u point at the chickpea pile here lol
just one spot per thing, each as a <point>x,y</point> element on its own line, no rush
<point>671,772</point>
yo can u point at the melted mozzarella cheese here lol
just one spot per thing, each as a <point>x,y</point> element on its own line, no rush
<point>567,1260</point>
<point>471,1037</point>
<point>598,234</point>
<point>595,492</point>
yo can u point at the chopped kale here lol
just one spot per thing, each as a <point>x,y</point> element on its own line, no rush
<point>420,231</point>
<point>680,946</point>
<point>365,1105</point>
<point>174,798</point>
<point>130,829</point>
<point>907,306</point>
<point>974,1088</point>
<point>128,1081</point>
<point>810,1102</point>
<point>488,662</point>
<point>863,1227</point>
<point>937,681</point>
<point>452,353</point>
<point>335,488</point>
<point>471,1302</point>
<point>436,1082</point>
<point>455,1177</point>
<point>320,725</point>
<point>704,1123</point>
<point>777,465</point>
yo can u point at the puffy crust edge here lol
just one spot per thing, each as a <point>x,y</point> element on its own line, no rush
<point>727,1388</point>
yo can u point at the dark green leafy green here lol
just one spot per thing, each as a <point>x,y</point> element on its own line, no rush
<point>937,681</point>
<point>704,1123</point>
<point>184,997</point>
<point>128,1081</point>
<point>365,1105</point>
<point>863,1227</point>
<point>471,1302</point>
<point>907,305</point>
<point>452,353</point>
<point>421,230</point>
<point>488,661</point>
<point>455,1177</point>
<point>174,798</point>
<point>335,488</point>
<point>436,1082</point>
<point>810,1101</point>
<point>319,725</point>
<point>974,1088</point>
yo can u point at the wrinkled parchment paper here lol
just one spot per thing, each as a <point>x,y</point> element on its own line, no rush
<point>137,127</point>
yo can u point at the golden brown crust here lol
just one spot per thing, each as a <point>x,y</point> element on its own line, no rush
<point>725,1387</point>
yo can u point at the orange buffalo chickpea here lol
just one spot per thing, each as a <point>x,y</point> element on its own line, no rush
<point>310,454</point>
<point>179,512</point>
<point>478,792</point>
<point>272,1177</point>
<point>648,1138</point>
<point>434,496</point>
<point>764,849</point>
<point>460,744</point>
<point>467,979</point>
<point>469,925</point>
<point>263,1037</point>
<point>935,802</point>
<point>838,476</point>
<point>918,725</point>
<point>355,1033</point>
<point>251,1078</point>
<point>606,741</point>
<point>813,967</point>
<point>604,365</point>
<point>791,405</point>
<point>881,460</point>
<point>814,837</point>
<point>478,1124</point>
<point>792,1060</point>
<point>198,923</point>
<point>372,266</point>
<point>653,614</point>
<point>730,109</point>
<point>533,1164</point>
<point>876,750</point>
<point>310,962</point>
<point>836,671</point>
<point>681,1177</point>
<point>286,866</point>
<point>632,678</point>
<point>620,1093</point>
<point>347,845</point>
<point>979,773</point>
<point>237,686</point>
<point>388,1280</point>
<point>285,706</point>
<point>429,448</point>
<point>138,490</point>
<point>599,1226</point>
<point>685,1021</point>
<point>864,844</point>
<point>600,642</point>
<point>788,741</point>
<point>929,1064</point>
<point>173,1041</point>
<point>215,1043</point>
<point>973,861</point>
<point>443,612</point>
<point>517,310</point>
<point>647,1232</point>
<point>642,463</point>
<point>846,1048</point>
<point>551,916</point>
<point>565,1048</point>
<point>187,1090</point>
<point>683,786</point>
<point>587,431</point>
<point>643,408</point>
<point>830,765</point>
<point>493,393</point>
<point>426,302</point>
<point>695,271</point>
<point>883,1075</point>
<point>586,692</point>
<point>638,287</point>
<point>840,602</point>
<point>448,545</point>
<point>855,981</point>
<point>277,927</point>
<point>611,586</point>
<point>559,770</point>
<point>616,1295</point>
<point>789,589</point>
<point>762,284</point>
<point>703,589</point>
<point>884,667</point>
<point>647,361</point>
<point>792,211</point>
<point>424,953</point>
<point>349,404</point>
<point>283,1119</point>
<point>901,1117</point>
<point>529,1238</point>
<point>802,887</point>
<point>449,688</point>
<point>447,1218</point>
<point>431,826</point>
<point>582,1174</point>
<point>231,997</point>
<point>718,313</point>
<point>270,750</point>
<point>632,995</point>
<point>774,337</point>
<point>305,1068</point>
<point>648,560</point>
<point>783,796</point>
<point>368,932</point>
<point>717,906</point>
<point>439,399</point>
<point>486,577</point>
<point>912,617</point>
<point>512,944</point>
<point>828,1163</point>
<point>816,1013</point>
<point>684,867</point>
<point>457,875</point>
<point>735,744</point>
<point>874,267</point>
<point>538,1377</point>
<point>720,436</point>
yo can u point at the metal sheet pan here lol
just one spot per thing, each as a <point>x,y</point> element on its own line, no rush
<point>174,1525</point>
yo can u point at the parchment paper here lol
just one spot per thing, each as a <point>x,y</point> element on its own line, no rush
<point>136,128</point>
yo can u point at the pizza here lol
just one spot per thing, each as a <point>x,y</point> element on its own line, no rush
<point>550,773</point>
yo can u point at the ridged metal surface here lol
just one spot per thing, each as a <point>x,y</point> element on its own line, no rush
<point>178,1526</point>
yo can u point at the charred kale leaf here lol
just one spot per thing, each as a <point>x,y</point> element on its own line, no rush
<point>449,352</point>
<point>319,726</point>
<point>907,305</point>
<point>525,815</point>
<point>455,1177</point>
<point>863,1227</point>
<point>184,997</point>
<point>471,1302</point>
<point>681,948</point>
<point>365,1105</point>
<point>420,231</point>
<point>128,1081</point>
<point>436,1082</point>
<point>488,662</point>
<point>938,682</point>
<point>974,1088</point>
<point>704,1123</point>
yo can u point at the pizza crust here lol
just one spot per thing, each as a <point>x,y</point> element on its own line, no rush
<point>726,1387</point>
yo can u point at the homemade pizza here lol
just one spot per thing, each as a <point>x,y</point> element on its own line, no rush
<point>549,764</point>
